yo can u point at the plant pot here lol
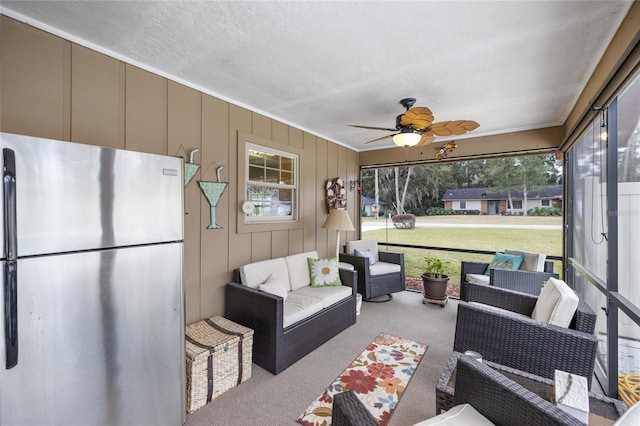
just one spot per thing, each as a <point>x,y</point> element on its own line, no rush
<point>435,288</point>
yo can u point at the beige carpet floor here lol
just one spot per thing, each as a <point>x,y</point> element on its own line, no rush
<point>266,399</point>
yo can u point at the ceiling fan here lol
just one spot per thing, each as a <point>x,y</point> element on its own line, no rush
<point>416,126</point>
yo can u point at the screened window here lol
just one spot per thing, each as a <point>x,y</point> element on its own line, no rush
<point>463,204</point>
<point>545,203</point>
<point>517,204</point>
<point>271,184</point>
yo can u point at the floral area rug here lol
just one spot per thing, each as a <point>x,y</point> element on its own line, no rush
<point>378,376</point>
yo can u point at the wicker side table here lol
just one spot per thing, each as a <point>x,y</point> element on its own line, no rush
<point>602,410</point>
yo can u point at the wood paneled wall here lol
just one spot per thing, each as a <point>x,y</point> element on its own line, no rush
<point>53,88</point>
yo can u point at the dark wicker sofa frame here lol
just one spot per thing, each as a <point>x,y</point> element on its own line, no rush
<point>518,280</point>
<point>275,348</point>
<point>524,344</point>
<point>499,399</point>
<point>371,286</point>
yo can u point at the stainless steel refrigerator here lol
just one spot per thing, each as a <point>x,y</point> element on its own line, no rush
<point>92,279</point>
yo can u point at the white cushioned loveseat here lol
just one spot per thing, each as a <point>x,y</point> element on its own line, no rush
<point>290,318</point>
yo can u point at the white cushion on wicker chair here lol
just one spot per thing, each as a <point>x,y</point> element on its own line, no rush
<point>371,245</point>
<point>460,415</point>
<point>478,279</point>
<point>533,262</point>
<point>380,268</point>
<point>556,304</point>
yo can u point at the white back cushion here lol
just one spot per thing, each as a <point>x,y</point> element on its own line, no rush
<point>299,269</point>
<point>371,245</point>
<point>556,304</point>
<point>254,274</point>
<point>533,262</point>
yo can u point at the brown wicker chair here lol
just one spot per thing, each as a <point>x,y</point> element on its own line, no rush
<point>499,399</point>
<point>518,280</point>
<point>521,343</point>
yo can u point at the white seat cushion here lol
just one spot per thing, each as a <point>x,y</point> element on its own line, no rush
<point>328,294</point>
<point>371,245</point>
<point>298,307</point>
<point>478,279</point>
<point>380,268</point>
<point>299,269</point>
<point>254,274</point>
<point>556,304</point>
<point>460,415</point>
<point>533,262</point>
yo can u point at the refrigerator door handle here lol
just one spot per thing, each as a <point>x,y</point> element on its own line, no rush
<point>10,253</point>
<point>9,204</point>
<point>11,314</point>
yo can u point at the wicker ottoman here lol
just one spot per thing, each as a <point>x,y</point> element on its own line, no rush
<point>218,358</point>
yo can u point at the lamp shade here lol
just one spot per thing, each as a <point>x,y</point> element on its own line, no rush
<point>338,220</point>
<point>407,139</point>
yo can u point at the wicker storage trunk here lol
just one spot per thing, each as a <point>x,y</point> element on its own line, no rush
<point>218,358</point>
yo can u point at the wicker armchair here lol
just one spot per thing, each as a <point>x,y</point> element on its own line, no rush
<point>518,280</point>
<point>384,277</point>
<point>522,343</point>
<point>499,399</point>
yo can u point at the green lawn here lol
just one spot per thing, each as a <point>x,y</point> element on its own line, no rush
<point>473,238</point>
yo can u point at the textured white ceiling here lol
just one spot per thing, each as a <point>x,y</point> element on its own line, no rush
<point>509,65</point>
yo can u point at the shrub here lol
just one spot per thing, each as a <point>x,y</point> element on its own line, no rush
<point>404,221</point>
<point>467,212</point>
<point>438,211</point>
<point>544,211</point>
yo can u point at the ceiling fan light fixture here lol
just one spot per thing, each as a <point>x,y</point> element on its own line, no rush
<point>407,139</point>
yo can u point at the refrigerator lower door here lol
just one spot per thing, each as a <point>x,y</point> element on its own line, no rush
<point>101,340</point>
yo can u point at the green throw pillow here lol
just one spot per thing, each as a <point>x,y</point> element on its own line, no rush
<point>324,272</point>
<point>504,261</point>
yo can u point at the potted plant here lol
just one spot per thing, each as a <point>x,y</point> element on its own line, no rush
<point>434,279</point>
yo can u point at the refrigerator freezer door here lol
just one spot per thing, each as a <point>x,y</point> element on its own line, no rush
<point>73,197</point>
<point>101,340</point>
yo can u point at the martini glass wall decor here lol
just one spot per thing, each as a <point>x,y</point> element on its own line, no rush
<point>213,191</point>
<point>190,168</point>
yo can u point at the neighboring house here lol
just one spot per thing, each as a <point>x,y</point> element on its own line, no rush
<point>488,202</point>
<point>367,202</point>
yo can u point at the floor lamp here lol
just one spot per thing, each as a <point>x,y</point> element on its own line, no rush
<point>340,221</point>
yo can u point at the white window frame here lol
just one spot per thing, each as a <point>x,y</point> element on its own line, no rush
<point>292,215</point>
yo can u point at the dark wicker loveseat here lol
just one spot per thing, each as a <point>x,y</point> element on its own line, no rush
<point>524,344</point>
<point>274,347</point>
<point>499,399</point>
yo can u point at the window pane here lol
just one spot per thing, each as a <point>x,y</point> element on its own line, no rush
<point>271,176</point>
<point>256,174</point>
<point>286,178</point>
<point>590,201</point>
<point>256,158</point>
<point>596,300</point>
<point>628,213</point>
<point>628,359</point>
<point>272,161</point>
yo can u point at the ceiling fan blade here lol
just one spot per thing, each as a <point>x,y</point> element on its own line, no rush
<point>372,127</point>
<point>379,139</point>
<point>426,139</point>
<point>419,118</point>
<point>449,128</point>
